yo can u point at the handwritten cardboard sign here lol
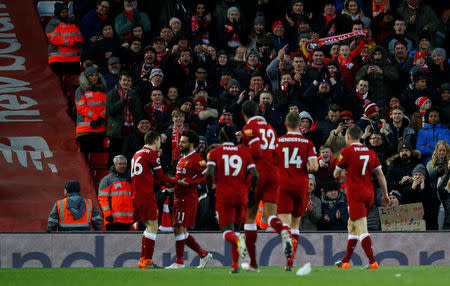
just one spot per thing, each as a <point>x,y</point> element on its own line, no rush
<point>402,217</point>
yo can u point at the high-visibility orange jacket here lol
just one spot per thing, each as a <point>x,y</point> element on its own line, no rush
<point>67,221</point>
<point>61,37</point>
<point>90,107</point>
<point>260,220</point>
<point>114,196</point>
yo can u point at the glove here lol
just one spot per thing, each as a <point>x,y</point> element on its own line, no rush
<point>77,44</point>
<point>101,121</point>
<point>109,218</point>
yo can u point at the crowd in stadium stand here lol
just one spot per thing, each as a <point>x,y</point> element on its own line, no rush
<point>172,65</point>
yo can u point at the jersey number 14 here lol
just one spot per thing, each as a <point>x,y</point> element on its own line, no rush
<point>291,158</point>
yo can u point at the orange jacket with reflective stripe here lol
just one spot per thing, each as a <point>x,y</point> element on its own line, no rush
<point>90,107</point>
<point>61,37</point>
<point>66,220</point>
<point>260,221</point>
<point>114,196</point>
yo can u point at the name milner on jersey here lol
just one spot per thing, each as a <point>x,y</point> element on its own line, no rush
<point>361,149</point>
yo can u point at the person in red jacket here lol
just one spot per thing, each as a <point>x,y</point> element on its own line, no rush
<point>65,40</point>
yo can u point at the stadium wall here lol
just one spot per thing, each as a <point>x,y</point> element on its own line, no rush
<point>23,250</point>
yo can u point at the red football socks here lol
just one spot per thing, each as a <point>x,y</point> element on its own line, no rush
<point>351,244</point>
<point>276,224</point>
<point>192,244</point>
<point>148,245</point>
<point>232,238</point>
<point>179,245</point>
<point>366,244</point>
<point>250,242</point>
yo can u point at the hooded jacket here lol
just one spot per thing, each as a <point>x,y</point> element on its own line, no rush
<point>429,136</point>
<point>398,168</point>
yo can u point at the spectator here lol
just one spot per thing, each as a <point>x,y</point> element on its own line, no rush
<point>330,122</point>
<point>257,32</point>
<point>176,25</point>
<point>380,75</point>
<point>330,23</point>
<point>313,212</point>
<point>431,134</point>
<point>327,164</point>
<point>112,76</point>
<point>171,98</point>
<point>203,116</point>
<point>419,17</point>
<point>233,29</point>
<point>336,139</point>
<point>90,102</point>
<point>114,196</point>
<point>398,130</point>
<point>162,53</point>
<point>179,70</point>
<point>278,36</point>
<point>398,35</point>
<point>171,139</point>
<point>65,41</point>
<point>384,149</point>
<point>104,48</point>
<point>437,166</point>
<point>156,108</point>
<point>353,11</point>
<point>200,24</point>
<point>134,142</point>
<point>93,21</point>
<point>402,64</point>
<point>279,66</point>
<point>439,68</point>
<point>395,198</point>
<point>314,70</point>
<point>199,83</point>
<point>167,35</point>
<point>418,119</point>
<point>370,117</point>
<point>288,93</point>
<point>74,213</point>
<point>334,208</point>
<point>420,191</point>
<point>143,71</point>
<point>400,166</point>
<point>272,116</point>
<point>417,89</point>
<point>321,94</point>
<point>213,129</point>
<point>444,195</point>
<point>124,22</point>
<point>443,103</point>
<point>124,110</point>
<point>131,54</point>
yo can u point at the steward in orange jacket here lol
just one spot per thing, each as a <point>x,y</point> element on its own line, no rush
<point>114,196</point>
<point>73,213</point>
<point>65,40</point>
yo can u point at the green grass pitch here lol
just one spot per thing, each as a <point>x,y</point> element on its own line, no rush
<point>217,276</point>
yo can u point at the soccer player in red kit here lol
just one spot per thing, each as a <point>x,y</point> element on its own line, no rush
<point>145,170</point>
<point>231,165</point>
<point>298,157</point>
<point>359,163</point>
<point>190,173</point>
<point>260,137</point>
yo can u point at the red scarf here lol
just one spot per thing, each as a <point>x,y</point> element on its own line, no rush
<point>412,7</point>
<point>185,68</point>
<point>195,24</point>
<point>176,137</point>
<point>257,67</point>
<point>160,57</point>
<point>345,63</point>
<point>251,87</point>
<point>328,19</point>
<point>315,66</point>
<point>235,37</point>
<point>378,9</point>
<point>227,123</point>
<point>102,18</point>
<point>129,14</point>
<point>361,96</point>
<point>422,114</point>
<point>127,115</point>
<point>146,69</point>
<point>284,88</point>
<point>305,130</point>
<point>222,84</point>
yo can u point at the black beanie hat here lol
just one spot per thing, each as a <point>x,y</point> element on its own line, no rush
<point>72,186</point>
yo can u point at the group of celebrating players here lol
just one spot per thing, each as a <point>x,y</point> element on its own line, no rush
<point>265,168</point>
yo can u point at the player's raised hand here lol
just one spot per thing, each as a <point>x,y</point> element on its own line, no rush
<point>170,190</point>
<point>385,201</point>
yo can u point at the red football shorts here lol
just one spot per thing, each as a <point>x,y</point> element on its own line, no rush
<point>292,202</point>
<point>231,208</point>
<point>145,209</point>
<point>184,211</point>
<point>359,208</point>
<point>268,186</point>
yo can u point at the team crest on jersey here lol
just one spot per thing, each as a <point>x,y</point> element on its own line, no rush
<point>340,157</point>
<point>202,163</point>
<point>185,163</point>
<point>248,132</point>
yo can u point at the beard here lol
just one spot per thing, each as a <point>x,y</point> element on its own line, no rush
<point>405,158</point>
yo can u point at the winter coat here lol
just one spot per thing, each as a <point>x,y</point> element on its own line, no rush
<point>444,195</point>
<point>425,16</point>
<point>115,111</point>
<point>330,207</point>
<point>380,84</point>
<point>410,95</point>
<point>123,26</point>
<point>310,218</point>
<point>91,24</point>
<point>405,132</point>
<point>397,169</point>
<point>428,137</point>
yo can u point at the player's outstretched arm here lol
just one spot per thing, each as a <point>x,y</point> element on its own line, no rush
<point>163,178</point>
<point>338,173</point>
<point>210,170</point>
<point>383,184</point>
<point>313,165</point>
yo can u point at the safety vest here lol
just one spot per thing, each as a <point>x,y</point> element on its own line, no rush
<point>90,107</point>
<point>260,221</point>
<point>114,196</point>
<point>61,37</point>
<point>66,220</point>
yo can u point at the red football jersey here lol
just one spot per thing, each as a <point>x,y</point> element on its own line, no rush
<point>143,166</point>
<point>232,164</point>
<point>359,161</point>
<point>261,138</point>
<point>191,167</point>
<point>294,150</point>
